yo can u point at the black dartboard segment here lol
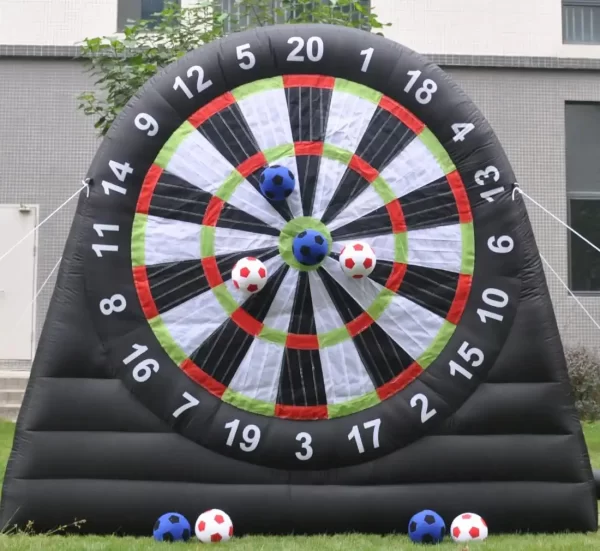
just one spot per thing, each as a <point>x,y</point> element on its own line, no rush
<point>315,351</point>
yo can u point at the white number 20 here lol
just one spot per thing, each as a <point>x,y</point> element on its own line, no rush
<point>314,48</point>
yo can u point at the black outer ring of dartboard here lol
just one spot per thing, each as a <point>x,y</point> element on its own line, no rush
<point>111,274</point>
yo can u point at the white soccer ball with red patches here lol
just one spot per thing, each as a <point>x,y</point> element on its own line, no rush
<point>249,274</point>
<point>357,260</point>
<point>467,527</point>
<point>214,526</point>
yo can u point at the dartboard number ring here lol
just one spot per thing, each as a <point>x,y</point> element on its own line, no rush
<point>317,369</point>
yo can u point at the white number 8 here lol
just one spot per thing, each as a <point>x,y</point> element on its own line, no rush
<point>116,303</point>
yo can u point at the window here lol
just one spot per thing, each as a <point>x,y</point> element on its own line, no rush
<point>133,10</point>
<point>583,193</point>
<point>240,19</point>
<point>581,21</point>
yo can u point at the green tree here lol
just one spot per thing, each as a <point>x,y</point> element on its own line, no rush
<point>121,65</point>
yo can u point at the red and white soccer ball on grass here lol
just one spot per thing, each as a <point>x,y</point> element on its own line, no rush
<point>249,275</point>
<point>468,527</point>
<point>214,526</point>
<point>357,260</point>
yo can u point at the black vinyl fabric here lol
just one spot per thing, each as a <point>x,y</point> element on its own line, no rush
<point>93,444</point>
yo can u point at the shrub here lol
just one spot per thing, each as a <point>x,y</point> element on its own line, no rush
<point>584,371</point>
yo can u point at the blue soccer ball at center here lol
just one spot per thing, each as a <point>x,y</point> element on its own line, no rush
<point>310,247</point>
<point>427,527</point>
<point>172,527</point>
<point>277,183</point>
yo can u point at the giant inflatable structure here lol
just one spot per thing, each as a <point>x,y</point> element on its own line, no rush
<point>321,403</point>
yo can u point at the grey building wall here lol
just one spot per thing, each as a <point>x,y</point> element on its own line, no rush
<point>46,146</point>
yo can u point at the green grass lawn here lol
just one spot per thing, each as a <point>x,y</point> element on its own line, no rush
<point>567,542</point>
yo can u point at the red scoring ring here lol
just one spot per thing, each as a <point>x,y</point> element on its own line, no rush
<point>214,208</point>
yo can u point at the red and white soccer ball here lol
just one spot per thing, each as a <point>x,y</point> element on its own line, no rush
<point>249,274</point>
<point>357,260</point>
<point>467,527</point>
<point>214,526</point>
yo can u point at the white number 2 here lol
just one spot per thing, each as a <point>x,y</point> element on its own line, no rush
<point>307,452</point>
<point>355,434</point>
<point>243,54</point>
<point>422,399</point>
<point>250,435</point>
<point>314,48</point>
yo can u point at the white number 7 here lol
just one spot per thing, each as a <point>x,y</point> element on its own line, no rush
<point>191,402</point>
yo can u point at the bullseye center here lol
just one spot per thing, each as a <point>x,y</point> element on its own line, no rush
<point>310,247</point>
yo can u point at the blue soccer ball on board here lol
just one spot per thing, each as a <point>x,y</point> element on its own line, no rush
<point>172,527</point>
<point>277,183</point>
<point>427,527</point>
<point>310,247</point>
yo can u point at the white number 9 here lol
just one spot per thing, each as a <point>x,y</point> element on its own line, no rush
<point>145,122</point>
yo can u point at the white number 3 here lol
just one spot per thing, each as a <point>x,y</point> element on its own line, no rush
<point>306,440</point>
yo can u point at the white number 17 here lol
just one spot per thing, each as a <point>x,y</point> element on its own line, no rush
<point>355,434</point>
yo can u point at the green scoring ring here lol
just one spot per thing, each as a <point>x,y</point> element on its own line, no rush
<point>227,301</point>
<point>291,230</point>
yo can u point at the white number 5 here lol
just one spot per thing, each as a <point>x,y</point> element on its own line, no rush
<point>243,54</point>
<point>306,440</point>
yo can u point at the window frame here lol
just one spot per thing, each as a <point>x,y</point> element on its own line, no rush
<point>572,195</point>
<point>577,4</point>
<point>131,10</point>
<point>577,196</point>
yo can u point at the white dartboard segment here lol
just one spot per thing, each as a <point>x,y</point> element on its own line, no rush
<point>439,247</point>
<point>266,114</point>
<point>198,162</point>
<point>258,375</point>
<point>413,169</point>
<point>349,117</point>
<point>408,324</point>
<point>231,241</point>
<point>170,240</point>
<point>344,373</point>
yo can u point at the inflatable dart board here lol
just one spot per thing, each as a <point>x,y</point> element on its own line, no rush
<point>322,403</point>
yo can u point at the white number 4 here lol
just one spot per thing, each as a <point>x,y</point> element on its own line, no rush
<point>355,434</point>
<point>461,129</point>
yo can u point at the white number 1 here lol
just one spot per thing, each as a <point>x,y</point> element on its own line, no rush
<point>368,53</point>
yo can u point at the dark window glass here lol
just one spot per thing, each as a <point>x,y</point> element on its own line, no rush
<point>582,139</point>
<point>585,261</point>
<point>134,10</point>
<point>581,21</point>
